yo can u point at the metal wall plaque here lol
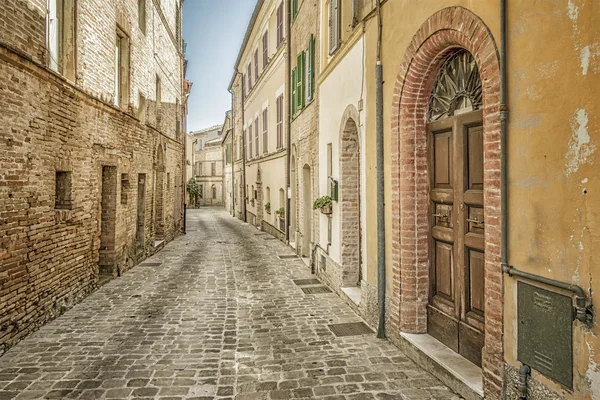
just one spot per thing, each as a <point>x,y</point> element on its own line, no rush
<point>545,332</point>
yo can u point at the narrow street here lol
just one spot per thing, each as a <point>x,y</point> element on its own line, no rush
<point>216,314</point>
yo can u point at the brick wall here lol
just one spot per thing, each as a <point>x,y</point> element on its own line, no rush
<point>50,256</point>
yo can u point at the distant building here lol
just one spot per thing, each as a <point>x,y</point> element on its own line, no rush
<point>207,161</point>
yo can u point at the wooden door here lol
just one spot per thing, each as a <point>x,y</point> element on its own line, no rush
<point>456,296</point>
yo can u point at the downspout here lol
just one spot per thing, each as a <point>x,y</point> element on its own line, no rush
<point>503,133</point>
<point>243,199</point>
<point>288,123</point>
<point>380,183</point>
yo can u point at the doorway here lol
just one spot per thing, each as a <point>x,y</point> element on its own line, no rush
<point>293,221</point>
<point>307,210</point>
<point>456,240</point>
<point>141,212</point>
<point>159,225</point>
<point>108,204</point>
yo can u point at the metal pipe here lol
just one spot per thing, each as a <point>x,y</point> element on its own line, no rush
<point>524,373</point>
<point>503,133</point>
<point>582,305</point>
<point>288,123</point>
<point>380,184</point>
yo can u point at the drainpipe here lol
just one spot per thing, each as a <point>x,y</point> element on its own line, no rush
<point>288,123</point>
<point>503,133</point>
<point>524,373</point>
<point>380,184</point>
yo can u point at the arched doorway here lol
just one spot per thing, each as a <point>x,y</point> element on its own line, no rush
<point>350,204</point>
<point>455,308</point>
<point>159,226</point>
<point>422,136</point>
<point>307,210</point>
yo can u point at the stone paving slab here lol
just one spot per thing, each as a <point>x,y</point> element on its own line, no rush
<point>219,318</point>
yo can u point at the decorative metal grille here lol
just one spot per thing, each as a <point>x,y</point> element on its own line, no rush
<point>457,88</point>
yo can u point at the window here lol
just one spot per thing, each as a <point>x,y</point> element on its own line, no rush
<point>265,131</point>
<point>280,122</point>
<point>329,167</point>
<point>124,188</point>
<point>142,15</point>
<point>334,26</point>
<point>198,145</point>
<point>158,100</point>
<point>62,194</point>
<point>256,65</point>
<point>245,153</point>
<point>243,87</point>
<point>280,33</point>
<point>197,168</point>
<point>294,90</point>
<point>213,169</point>
<point>265,43</point>
<point>310,70</point>
<point>214,192</point>
<point>250,141</point>
<point>256,134</point>
<point>121,69</point>
<point>298,79</point>
<point>294,9</point>
<point>281,198</point>
<point>201,191</point>
<point>249,77</point>
<point>60,35</point>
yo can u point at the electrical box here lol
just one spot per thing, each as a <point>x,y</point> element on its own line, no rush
<point>545,332</point>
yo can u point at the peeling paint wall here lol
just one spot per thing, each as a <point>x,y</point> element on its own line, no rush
<point>554,190</point>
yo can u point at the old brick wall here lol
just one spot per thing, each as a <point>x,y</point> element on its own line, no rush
<point>304,128</point>
<point>49,257</point>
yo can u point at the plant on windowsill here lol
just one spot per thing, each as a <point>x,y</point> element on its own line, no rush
<point>280,213</point>
<point>268,208</point>
<point>323,203</point>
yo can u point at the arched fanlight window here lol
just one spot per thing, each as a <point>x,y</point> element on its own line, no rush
<point>457,88</point>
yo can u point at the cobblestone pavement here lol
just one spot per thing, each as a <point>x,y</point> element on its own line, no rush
<point>220,317</point>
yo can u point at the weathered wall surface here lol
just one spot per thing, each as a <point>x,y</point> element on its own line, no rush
<point>49,257</point>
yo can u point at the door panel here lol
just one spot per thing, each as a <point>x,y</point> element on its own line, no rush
<point>456,302</point>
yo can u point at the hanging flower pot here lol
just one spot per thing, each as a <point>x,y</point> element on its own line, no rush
<point>326,210</point>
<point>323,203</point>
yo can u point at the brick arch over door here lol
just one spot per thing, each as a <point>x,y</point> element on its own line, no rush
<point>448,29</point>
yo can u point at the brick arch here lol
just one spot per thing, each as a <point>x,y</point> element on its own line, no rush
<point>349,198</point>
<point>447,29</point>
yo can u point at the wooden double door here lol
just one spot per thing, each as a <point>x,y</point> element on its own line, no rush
<point>456,292</point>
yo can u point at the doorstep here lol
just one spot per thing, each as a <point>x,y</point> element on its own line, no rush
<point>353,293</point>
<point>455,371</point>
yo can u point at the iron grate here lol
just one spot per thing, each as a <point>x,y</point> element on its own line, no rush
<point>350,329</point>
<point>150,264</point>
<point>305,282</point>
<point>316,289</point>
<point>286,256</point>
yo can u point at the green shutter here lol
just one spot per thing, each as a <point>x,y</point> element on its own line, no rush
<point>299,82</point>
<point>294,9</point>
<point>293,92</point>
<point>311,67</point>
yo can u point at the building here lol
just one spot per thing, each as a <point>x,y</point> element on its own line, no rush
<point>208,165</point>
<point>227,146</point>
<point>92,148</point>
<point>260,80</point>
<point>304,126</point>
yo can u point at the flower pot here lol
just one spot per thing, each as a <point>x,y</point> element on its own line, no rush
<point>281,216</point>
<point>326,210</point>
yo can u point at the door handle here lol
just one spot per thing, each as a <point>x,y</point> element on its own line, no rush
<point>476,221</point>
<point>440,215</point>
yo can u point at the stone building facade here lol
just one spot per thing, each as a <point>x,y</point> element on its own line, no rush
<point>261,67</point>
<point>92,152</point>
<point>208,165</point>
<point>227,157</point>
<point>304,127</point>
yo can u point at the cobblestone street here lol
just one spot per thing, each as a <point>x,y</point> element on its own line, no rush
<point>216,314</point>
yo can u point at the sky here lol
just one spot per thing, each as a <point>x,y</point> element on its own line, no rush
<point>213,31</point>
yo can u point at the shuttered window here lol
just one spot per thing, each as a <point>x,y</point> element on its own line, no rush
<point>294,9</point>
<point>300,78</point>
<point>310,73</point>
<point>249,142</point>
<point>256,135</point>
<point>294,97</point>
<point>280,25</point>
<point>243,86</point>
<point>256,65</point>
<point>280,121</point>
<point>265,43</point>
<point>249,77</point>
<point>265,117</point>
<point>334,26</point>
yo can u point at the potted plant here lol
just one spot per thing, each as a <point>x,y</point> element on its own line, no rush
<point>268,208</point>
<point>280,213</point>
<point>323,203</point>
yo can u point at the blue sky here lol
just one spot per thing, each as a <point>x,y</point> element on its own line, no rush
<point>213,31</point>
